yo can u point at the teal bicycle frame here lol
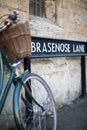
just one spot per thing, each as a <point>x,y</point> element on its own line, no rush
<point>10,80</point>
<point>18,81</point>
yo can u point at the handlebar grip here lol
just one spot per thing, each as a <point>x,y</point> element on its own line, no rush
<point>13,16</point>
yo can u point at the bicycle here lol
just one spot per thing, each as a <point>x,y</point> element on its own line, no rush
<point>33,103</point>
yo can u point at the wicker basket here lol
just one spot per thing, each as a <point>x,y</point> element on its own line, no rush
<point>17,41</point>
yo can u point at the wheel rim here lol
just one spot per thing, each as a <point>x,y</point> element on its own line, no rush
<point>32,116</point>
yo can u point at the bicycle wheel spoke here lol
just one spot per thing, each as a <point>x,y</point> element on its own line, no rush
<point>32,116</point>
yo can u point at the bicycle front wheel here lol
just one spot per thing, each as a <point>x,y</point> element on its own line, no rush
<point>32,116</point>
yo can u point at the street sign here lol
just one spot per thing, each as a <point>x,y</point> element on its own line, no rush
<point>48,47</point>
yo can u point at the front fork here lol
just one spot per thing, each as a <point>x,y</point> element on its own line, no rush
<point>28,92</point>
<point>16,97</point>
<point>18,84</point>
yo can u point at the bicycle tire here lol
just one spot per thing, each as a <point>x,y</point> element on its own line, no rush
<point>1,73</point>
<point>31,117</point>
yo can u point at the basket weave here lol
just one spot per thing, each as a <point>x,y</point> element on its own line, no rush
<point>17,41</point>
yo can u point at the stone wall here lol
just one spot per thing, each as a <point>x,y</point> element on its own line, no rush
<point>71,15</point>
<point>8,6</point>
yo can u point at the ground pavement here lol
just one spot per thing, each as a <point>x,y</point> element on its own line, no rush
<point>73,116</point>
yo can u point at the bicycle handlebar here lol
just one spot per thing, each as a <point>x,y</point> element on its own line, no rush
<point>12,17</point>
<point>5,27</point>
